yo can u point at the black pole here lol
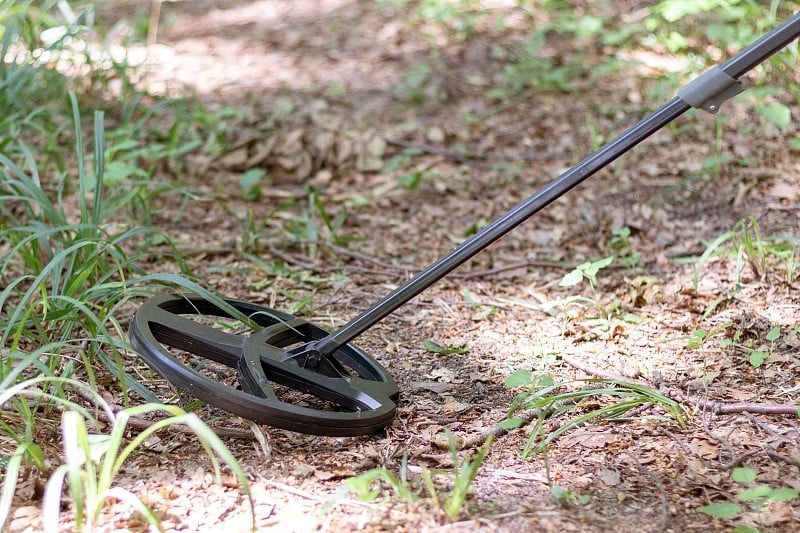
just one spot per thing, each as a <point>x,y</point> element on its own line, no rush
<point>743,62</point>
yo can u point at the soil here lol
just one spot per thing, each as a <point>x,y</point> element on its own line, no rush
<point>324,97</point>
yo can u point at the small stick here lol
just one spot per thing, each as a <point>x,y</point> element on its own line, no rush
<point>659,486</point>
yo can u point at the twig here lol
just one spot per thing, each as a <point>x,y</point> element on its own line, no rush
<point>526,417</point>
<point>404,269</point>
<point>290,259</point>
<point>722,408</point>
<point>435,150</point>
<point>765,428</point>
<point>780,457</point>
<point>504,268</point>
<point>592,371</point>
<point>678,441</point>
<point>309,496</point>
<point>735,458</point>
<point>659,486</point>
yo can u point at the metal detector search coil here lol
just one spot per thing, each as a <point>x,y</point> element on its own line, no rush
<point>358,393</point>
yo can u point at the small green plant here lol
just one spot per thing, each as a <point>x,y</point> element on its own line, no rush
<point>250,183</point>
<point>315,224</point>
<point>432,347</point>
<point>528,65</point>
<point>417,86</point>
<point>755,496</point>
<point>594,312</point>
<point>455,20</point>
<point>410,177</point>
<point>373,483</point>
<point>756,355</point>
<point>366,490</point>
<point>620,243</point>
<point>568,498</point>
<point>463,477</point>
<point>697,339</point>
<point>540,392</point>
<point>748,247</point>
<point>604,312</point>
<point>587,270</point>
<point>402,160</point>
<point>480,310</point>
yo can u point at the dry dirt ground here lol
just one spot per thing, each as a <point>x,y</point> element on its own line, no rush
<point>325,81</point>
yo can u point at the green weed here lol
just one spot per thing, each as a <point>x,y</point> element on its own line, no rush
<point>370,485</point>
<point>417,86</point>
<point>568,498</point>
<point>575,305</point>
<point>755,496</point>
<point>250,183</point>
<point>746,245</point>
<point>757,354</point>
<point>67,275</point>
<point>409,177</point>
<point>624,253</point>
<point>315,224</point>
<point>463,476</point>
<point>374,483</point>
<point>93,460</point>
<point>587,270</point>
<point>540,392</point>
<point>455,20</point>
<point>432,347</point>
<point>480,310</point>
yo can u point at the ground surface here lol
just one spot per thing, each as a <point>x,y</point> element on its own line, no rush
<point>321,79</point>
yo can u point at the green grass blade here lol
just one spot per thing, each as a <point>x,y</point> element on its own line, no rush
<point>51,501</point>
<point>710,250</point>
<point>12,469</point>
<point>99,163</point>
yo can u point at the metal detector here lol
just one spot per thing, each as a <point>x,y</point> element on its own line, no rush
<point>295,375</point>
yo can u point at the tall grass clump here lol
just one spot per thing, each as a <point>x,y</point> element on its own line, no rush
<point>74,232</point>
<point>69,268</point>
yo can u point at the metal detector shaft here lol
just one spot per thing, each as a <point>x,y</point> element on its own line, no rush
<point>707,91</point>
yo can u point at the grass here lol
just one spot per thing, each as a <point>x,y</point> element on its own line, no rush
<point>71,245</point>
<point>69,278</point>
<point>382,482</point>
<point>597,400</point>
<point>93,459</point>
<point>747,247</point>
<point>68,274</point>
